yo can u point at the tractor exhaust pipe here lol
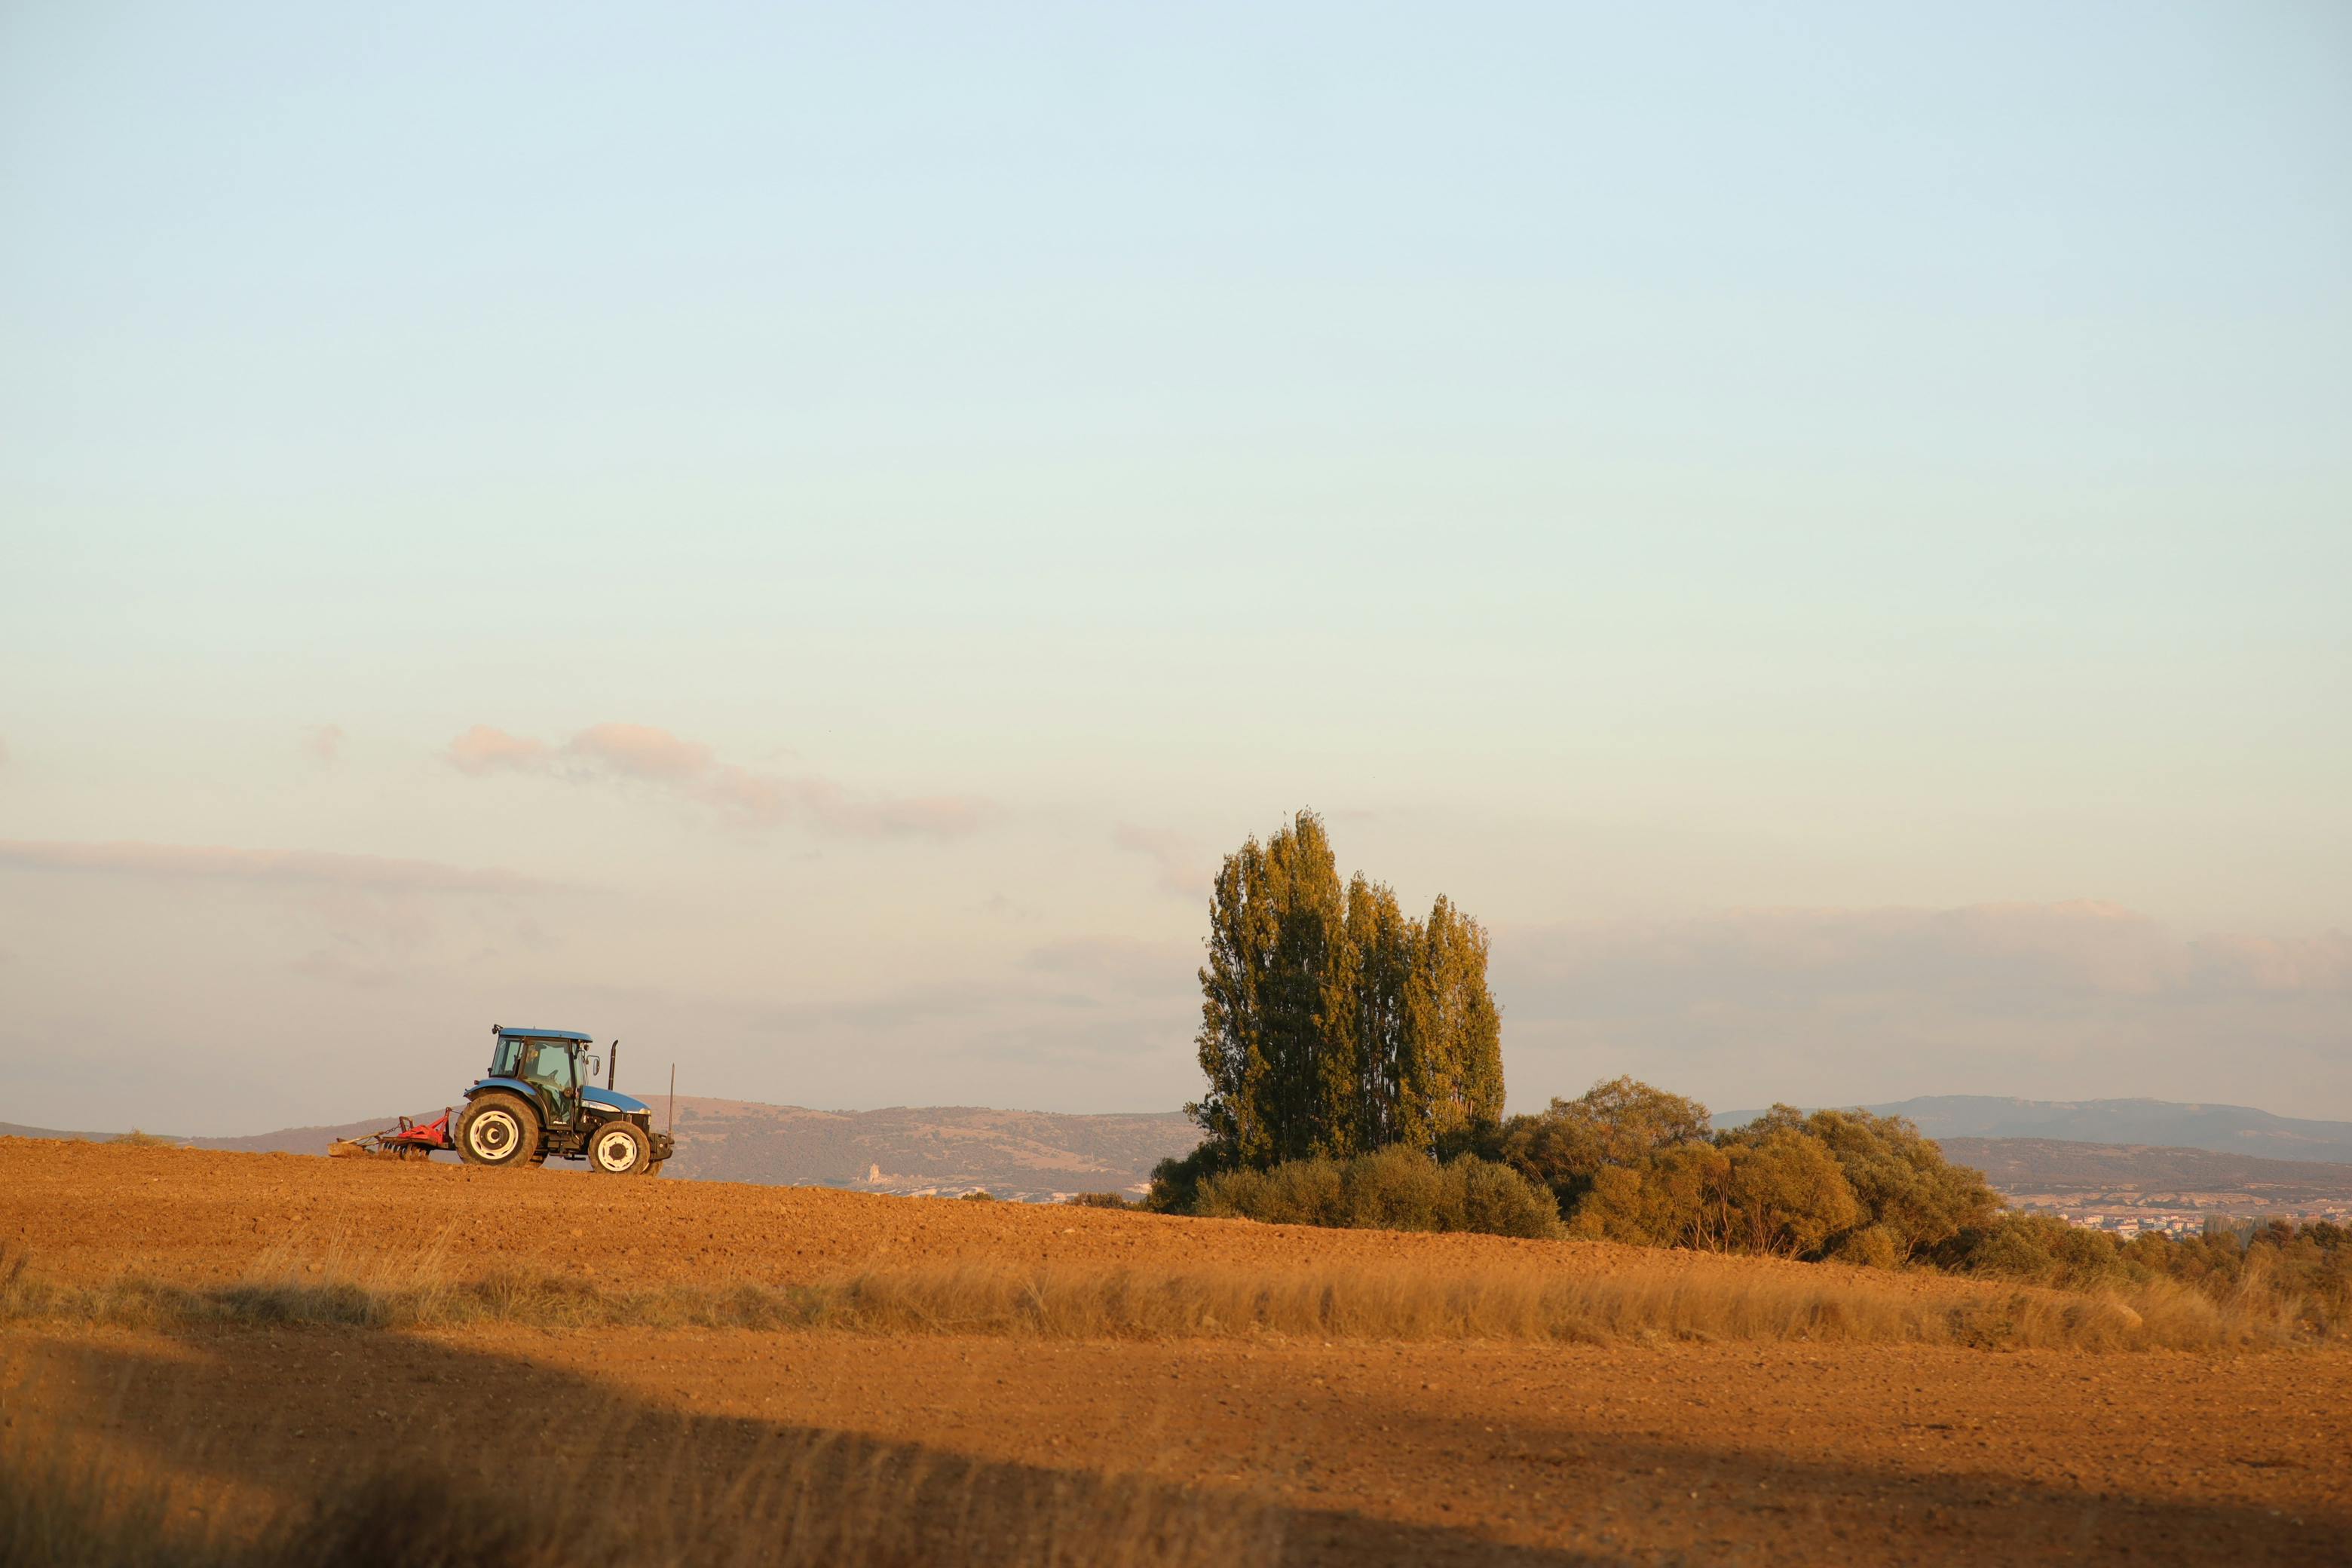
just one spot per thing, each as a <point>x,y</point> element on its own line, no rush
<point>613,1067</point>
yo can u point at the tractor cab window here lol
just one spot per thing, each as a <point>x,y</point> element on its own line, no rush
<point>550,1064</point>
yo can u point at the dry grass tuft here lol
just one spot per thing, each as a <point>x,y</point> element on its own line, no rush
<point>1693,1304</point>
<point>1677,1298</point>
<point>806,1501</point>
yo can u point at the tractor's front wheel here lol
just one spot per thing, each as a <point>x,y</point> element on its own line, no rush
<point>620,1149</point>
<point>498,1129</point>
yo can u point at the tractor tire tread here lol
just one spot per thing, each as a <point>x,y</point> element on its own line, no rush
<point>531,1143</point>
<point>641,1149</point>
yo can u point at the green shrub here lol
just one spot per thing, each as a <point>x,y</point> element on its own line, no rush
<point>2041,1248</point>
<point>1297,1191</point>
<point>1902,1180</point>
<point>2308,1268</point>
<point>1620,1122</point>
<point>1787,1194</point>
<point>1394,1189</point>
<point>1499,1201</point>
<point>1872,1246</point>
<point>1633,1164</point>
<point>1675,1198</point>
<point>1176,1181</point>
<point>1100,1201</point>
<point>1397,1189</point>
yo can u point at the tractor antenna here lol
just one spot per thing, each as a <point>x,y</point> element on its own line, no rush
<point>613,1067</point>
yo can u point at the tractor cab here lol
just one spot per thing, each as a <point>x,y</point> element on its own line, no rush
<point>554,1065</point>
<point>541,1097</point>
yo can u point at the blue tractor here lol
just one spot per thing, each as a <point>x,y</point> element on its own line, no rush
<point>540,1099</point>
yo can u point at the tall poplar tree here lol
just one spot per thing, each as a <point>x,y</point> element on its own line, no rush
<point>1387,943</point>
<point>1276,1041</point>
<point>1454,1080</point>
<point>1331,1023</point>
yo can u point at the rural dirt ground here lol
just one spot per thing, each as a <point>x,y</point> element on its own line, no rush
<point>1373,1452</point>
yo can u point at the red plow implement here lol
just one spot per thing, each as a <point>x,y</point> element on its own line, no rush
<point>409,1141</point>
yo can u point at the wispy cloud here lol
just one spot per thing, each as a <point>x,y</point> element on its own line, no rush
<point>643,754</point>
<point>324,743</point>
<point>1002,906</point>
<point>927,1001</point>
<point>1179,864</point>
<point>1109,979</point>
<point>281,868</point>
<point>1118,965</point>
<point>1836,1005</point>
<point>1995,954</point>
<point>482,750</point>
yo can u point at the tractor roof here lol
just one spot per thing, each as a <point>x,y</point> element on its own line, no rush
<point>542,1034</point>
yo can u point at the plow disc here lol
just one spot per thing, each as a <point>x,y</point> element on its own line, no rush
<point>409,1141</point>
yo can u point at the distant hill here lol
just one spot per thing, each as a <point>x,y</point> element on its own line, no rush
<point>302,1140</point>
<point>1015,1153</point>
<point>289,1141</point>
<point>2155,1123</point>
<point>2061,1168</point>
<point>285,1140</point>
<point>909,1148</point>
<point>10,1130</point>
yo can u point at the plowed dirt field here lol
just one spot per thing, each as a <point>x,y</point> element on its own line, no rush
<point>1367,1452</point>
<point>90,1210</point>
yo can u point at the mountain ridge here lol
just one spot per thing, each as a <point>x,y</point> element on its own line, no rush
<point>1032,1154</point>
<point>2061,1168</point>
<point>2137,1121</point>
<point>895,1149</point>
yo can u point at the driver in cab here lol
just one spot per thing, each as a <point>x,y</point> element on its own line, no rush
<point>549,1066</point>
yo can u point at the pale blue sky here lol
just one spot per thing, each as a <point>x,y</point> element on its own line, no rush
<point>1822,508</point>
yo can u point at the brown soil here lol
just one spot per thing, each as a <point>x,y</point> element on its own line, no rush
<point>1376,1452</point>
<point>90,1211</point>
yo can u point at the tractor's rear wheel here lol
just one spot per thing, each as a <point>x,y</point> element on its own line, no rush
<point>498,1129</point>
<point>620,1149</point>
